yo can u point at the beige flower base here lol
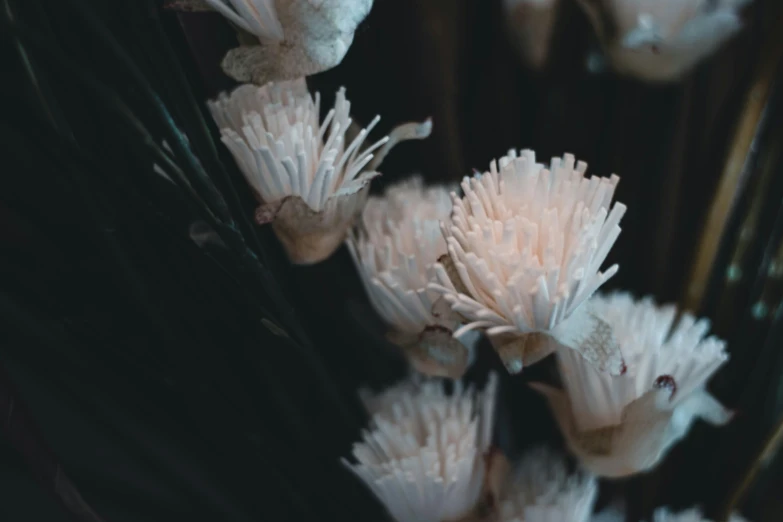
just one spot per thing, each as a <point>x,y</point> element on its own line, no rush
<point>307,236</point>
<point>517,351</point>
<point>434,351</point>
<point>650,426</point>
<point>583,332</point>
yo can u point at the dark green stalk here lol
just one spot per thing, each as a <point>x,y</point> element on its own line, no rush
<point>176,138</point>
<point>112,100</point>
<point>230,234</point>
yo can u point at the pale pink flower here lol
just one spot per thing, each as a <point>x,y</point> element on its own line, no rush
<point>525,247</point>
<point>395,250</point>
<point>424,455</point>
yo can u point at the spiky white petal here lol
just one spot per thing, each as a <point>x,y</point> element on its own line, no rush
<point>542,490</point>
<point>661,40</point>
<point>258,17</point>
<point>395,254</point>
<point>282,148</point>
<point>395,251</point>
<point>625,424</point>
<point>690,515</point>
<point>423,456</point>
<point>527,243</point>
<point>305,170</point>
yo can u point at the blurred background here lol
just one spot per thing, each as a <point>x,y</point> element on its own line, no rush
<point>134,367</point>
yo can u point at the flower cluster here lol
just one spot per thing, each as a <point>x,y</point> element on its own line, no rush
<point>428,458</point>
<point>524,249</point>
<point>517,257</point>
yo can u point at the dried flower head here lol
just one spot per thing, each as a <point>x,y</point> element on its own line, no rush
<point>690,515</point>
<point>622,425</point>
<point>395,250</point>
<point>424,455</point>
<point>660,40</point>
<point>311,179</point>
<point>525,246</point>
<point>542,490</point>
<point>297,37</point>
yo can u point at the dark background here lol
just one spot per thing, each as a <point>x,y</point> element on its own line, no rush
<point>134,362</point>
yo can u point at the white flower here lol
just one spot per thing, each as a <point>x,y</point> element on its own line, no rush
<point>690,515</point>
<point>312,179</point>
<point>424,454</point>
<point>395,251</point>
<point>401,240</point>
<point>622,425</point>
<point>298,37</point>
<point>531,23</point>
<point>660,40</point>
<point>542,490</point>
<point>525,247</point>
